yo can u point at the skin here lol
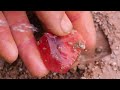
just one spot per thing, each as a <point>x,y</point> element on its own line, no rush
<point>59,23</point>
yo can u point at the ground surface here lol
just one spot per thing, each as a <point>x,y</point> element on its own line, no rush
<point>104,64</point>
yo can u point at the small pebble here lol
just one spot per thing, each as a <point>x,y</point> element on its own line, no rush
<point>115,68</point>
<point>54,73</point>
<point>83,78</point>
<point>98,50</point>
<point>20,69</point>
<point>81,66</point>
<point>96,62</point>
<point>86,50</point>
<point>113,63</point>
<point>117,47</point>
<point>97,20</point>
<point>82,46</point>
<point>73,70</point>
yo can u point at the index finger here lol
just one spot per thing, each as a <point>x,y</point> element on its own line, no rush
<point>25,41</point>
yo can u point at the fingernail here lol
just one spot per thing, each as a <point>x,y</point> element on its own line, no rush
<point>66,24</point>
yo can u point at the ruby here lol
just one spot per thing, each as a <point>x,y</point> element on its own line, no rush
<point>59,53</point>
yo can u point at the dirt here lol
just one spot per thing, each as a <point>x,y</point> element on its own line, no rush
<point>104,64</point>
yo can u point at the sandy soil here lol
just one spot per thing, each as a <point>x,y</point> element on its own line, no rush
<point>104,64</point>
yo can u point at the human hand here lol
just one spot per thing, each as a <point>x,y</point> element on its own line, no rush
<point>16,36</point>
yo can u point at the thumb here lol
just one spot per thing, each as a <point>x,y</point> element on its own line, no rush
<point>55,22</point>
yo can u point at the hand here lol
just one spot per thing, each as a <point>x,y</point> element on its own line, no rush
<point>16,36</point>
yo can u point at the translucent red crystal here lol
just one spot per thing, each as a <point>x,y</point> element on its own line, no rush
<point>59,53</point>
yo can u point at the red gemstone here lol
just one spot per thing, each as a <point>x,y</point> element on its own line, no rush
<point>59,53</point>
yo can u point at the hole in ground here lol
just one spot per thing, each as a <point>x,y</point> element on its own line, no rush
<point>102,49</point>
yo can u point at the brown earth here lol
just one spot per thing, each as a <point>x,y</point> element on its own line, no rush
<point>104,64</point>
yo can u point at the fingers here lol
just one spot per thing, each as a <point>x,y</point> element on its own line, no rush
<point>56,22</point>
<point>20,28</point>
<point>83,22</point>
<point>8,48</point>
